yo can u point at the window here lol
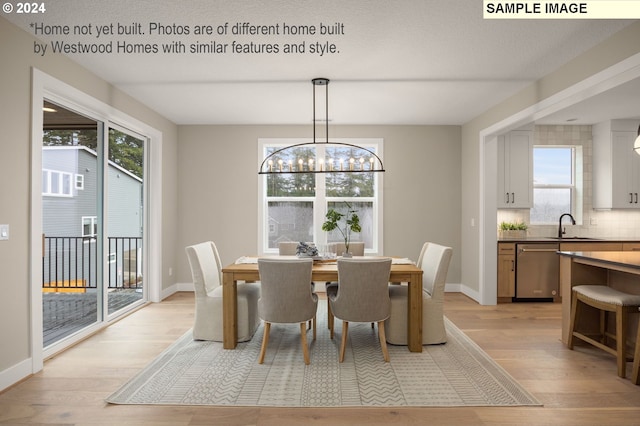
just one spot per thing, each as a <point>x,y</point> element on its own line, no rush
<point>79,182</point>
<point>56,183</point>
<point>554,183</point>
<point>293,206</point>
<point>89,226</point>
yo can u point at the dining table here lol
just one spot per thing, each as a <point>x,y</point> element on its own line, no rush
<point>246,269</point>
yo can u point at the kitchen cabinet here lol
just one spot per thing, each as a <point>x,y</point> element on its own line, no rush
<point>631,246</point>
<point>506,271</point>
<point>591,246</point>
<point>507,265</point>
<point>515,169</point>
<point>616,166</point>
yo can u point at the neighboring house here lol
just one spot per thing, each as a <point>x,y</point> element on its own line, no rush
<point>70,219</point>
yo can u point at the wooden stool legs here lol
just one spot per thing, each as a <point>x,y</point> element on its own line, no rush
<point>635,374</point>
<point>621,312</point>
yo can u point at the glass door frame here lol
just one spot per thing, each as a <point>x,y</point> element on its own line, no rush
<point>105,209</point>
<point>50,88</point>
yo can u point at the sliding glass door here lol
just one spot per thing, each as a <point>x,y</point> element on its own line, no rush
<point>124,219</point>
<point>93,196</point>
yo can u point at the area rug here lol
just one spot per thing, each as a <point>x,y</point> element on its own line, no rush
<point>454,374</point>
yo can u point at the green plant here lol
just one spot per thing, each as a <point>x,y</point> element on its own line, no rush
<point>352,223</point>
<point>513,226</point>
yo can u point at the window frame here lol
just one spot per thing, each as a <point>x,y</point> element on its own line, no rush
<point>47,190</point>
<point>92,221</point>
<point>320,200</point>
<point>79,182</point>
<point>572,187</point>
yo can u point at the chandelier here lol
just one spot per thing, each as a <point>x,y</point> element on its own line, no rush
<point>338,157</point>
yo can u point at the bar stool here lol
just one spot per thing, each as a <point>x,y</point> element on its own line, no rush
<point>606,299</point>
<point>635,375</point>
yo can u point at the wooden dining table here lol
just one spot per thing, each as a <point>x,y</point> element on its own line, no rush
<point>322,272</point>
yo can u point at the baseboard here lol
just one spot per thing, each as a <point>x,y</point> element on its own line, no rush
<point>166,292</point>
<point>14,374</point>
<point>469,292</point>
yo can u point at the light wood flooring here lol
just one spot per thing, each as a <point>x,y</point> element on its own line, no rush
<point>576,387</point>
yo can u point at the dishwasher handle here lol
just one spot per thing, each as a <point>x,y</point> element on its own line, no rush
<point>534,250</point>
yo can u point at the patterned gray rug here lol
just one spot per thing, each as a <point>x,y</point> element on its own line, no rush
<point>457,373</point>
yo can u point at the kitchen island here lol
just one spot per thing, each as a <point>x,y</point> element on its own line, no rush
<point>617,269</point>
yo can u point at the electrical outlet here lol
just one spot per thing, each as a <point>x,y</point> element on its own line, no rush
<point>170,271</point>
<point>4,232</point>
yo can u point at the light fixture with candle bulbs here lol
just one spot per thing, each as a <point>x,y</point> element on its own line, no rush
<point>636,144</point>
<point>339,157</point>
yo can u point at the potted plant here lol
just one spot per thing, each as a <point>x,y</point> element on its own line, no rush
<point>352,224</point>
<point>513,229</point>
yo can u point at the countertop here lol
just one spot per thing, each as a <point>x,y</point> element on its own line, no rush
<point>627,259</point>
<point>565,240</point>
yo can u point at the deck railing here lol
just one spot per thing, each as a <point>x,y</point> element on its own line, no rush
<point>69,264</point>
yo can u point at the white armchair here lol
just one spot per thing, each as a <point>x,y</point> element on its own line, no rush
<point>434,262</point>
<point>206,270</point>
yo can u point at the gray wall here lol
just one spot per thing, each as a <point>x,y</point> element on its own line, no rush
<point>218,187</point>
<point>15,176</point>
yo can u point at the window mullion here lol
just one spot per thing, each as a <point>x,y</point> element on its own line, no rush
<point>320,202</point>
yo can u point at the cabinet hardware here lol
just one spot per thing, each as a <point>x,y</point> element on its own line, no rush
<point>513,265</point>
<point>631,198</point>
<point>507,197</point>
<point>636,199</point>
<point>523,250</point>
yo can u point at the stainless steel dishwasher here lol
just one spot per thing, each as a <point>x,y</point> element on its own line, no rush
<point>537,271</point>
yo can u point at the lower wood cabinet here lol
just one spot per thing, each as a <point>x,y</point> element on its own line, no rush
<point>631,246</point>
<point>507,261</point>
<point>506,272</point>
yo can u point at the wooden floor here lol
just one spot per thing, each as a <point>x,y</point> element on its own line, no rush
<point>576,387</point>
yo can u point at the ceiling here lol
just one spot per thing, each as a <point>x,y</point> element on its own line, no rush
<point>396,62</point>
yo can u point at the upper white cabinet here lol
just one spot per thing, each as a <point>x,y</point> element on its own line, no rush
<point>515,170</point>
<point>616,166</point>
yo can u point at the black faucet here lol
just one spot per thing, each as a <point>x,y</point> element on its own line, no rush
<point>560,231</point>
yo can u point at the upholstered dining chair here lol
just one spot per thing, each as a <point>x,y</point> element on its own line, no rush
<point>356,248</point>
<point>361,296</point>
<point>287,248</point>
<point>435,265</point>
<point>286,298</point>
<point>206,270</point>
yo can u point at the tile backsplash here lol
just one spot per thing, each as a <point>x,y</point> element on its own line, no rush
<point>624,224</point>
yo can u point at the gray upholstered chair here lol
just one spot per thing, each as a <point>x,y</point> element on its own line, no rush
<point>286,298</point>
<point>356,248</point>
<point>435,265</point>
<point>361,296</point>
<point>287,248</point>
<point>206,270</point>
